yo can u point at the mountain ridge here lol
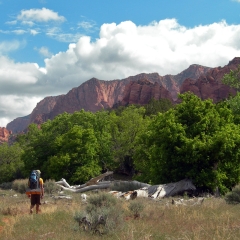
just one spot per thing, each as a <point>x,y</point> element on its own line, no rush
<point>95,94</point>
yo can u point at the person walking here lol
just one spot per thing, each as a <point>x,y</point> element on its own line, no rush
<point>36,194</point>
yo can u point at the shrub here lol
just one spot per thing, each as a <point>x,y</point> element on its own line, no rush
<point>100,214</point>
<point>136,207</point>
<point>20,185</point>
<point>6,185</point>
<point>51,187</point>
<point>233,197</point>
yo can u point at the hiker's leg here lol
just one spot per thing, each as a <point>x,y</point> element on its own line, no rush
<point>32,203</point>
<point>31,208</point>
<point>37,208</point>
<point>37,203</point>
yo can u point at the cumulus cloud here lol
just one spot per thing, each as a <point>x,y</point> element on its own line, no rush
<point>125,49</point>
<point>13,106</point>
<point>18,77</point>
<point>121,50</point>
<point>39,15</point>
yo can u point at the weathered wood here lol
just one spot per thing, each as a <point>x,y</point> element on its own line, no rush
<point>171,189</point>
<point>141,189</point>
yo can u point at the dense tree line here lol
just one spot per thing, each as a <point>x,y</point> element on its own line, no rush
<point>163,143</point>
<point>196,139</point>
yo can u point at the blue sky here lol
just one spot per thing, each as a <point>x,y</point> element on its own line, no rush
<point>48,47</point>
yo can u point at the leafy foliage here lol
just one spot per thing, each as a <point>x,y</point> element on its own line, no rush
<point>155,106</point>
<point>125,130</point>
<point>232,78</point>
<point>11,165</point>
<point>197,139</point>
<point>75,146</point>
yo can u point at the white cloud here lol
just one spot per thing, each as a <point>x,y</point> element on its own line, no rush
<point>19,31</point>
<point>8,46</point>
<point>34,32</point>
<point>121,50</point>
<point>16,77</point>
<point>126,49</point>
<point>44,51</point>
<point>56,33</point>
<point>14,106</point>
<point>12,22</point>
<point>40,15</point>
<point>29,23</point>
<point>86,25</point>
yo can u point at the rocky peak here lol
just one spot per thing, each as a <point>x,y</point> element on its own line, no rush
<point>209,85</point>
<point>235,62</point>
<point>37,116</point>
<point>44,106</point>
<point>19,124</point>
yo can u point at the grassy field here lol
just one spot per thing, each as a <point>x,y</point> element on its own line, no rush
<point>213,219</point>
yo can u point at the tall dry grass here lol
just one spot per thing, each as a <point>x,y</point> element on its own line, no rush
<point>213,219</point>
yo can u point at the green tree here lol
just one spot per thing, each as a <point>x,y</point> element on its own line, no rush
<point>155,106</point>
<point>43,146</point>
<point>232,78</point>
<point>11,165</point>
<point>197,139</point>
<point>125,129</point>
<point>77,156</point>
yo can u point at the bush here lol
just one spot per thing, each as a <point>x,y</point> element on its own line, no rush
<point>6,185</point>
<point>100,214</point>
<point>136,207</point>
<point>20,185</point>
<point>233,197</point>
<point>51,187</point>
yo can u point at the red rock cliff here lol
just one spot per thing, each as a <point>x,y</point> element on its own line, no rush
<point>142,91</point>
<point>95,94</point>
<point>210,85</point>
<point>4,135</point>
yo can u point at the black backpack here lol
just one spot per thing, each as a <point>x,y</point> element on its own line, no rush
<point>34,180</point>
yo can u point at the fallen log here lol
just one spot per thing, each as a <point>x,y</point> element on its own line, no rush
<point>171,189</point>
<point>101,185</point>
<point>138,189</point>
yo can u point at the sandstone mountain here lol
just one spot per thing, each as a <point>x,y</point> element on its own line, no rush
<point>209,85</point>
<point>96,94</point>
<point>43,107</point>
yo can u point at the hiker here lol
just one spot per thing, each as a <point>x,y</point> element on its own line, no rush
<point>36,190</point>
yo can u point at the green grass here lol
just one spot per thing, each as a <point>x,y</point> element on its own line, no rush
<point>214,219</point>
